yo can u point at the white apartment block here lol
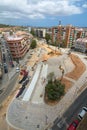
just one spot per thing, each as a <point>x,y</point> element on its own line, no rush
<point>40,32</point>
<point>81,44</point>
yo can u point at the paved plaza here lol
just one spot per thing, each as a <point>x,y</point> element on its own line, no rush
<point>34,114</point>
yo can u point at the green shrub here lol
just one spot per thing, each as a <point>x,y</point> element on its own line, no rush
<point>54,90</point>
<point>33,44</point>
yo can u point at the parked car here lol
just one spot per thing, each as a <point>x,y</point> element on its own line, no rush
<point>25,82</point>
<point>82,113</point>
<point>73,125</point>
<point>4,58</point>
<point>5,68</point>
<point>11,63</point>
<point>23,79</point>
<point>20,91</point>
<point>17,69</point>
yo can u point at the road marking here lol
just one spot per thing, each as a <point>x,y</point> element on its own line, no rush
<point>61,123</point>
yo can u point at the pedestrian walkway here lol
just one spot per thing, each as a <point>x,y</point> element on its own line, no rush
<point>32,84</point>
<point>38,96</point>
<point>72,80</point>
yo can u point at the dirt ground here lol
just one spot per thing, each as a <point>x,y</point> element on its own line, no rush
<point>50,52</point>
<point>83,124</point>
<point>79,67</point>
<point>67,83</point>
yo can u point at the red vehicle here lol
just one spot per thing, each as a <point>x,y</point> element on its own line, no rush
<point>24,72</point>
<point>73,125</point>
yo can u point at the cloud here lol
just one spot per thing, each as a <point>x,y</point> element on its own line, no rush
<point>38,9</point>
<point>36,16</point>
<point>58,8</point>
<point>85,5</point>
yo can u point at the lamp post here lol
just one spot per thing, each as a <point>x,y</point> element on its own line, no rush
<point>62,69</point>
<point>62,75</point>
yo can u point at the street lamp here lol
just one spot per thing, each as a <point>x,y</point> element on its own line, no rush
<point>62,69</point>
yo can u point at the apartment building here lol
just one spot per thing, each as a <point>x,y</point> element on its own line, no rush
<point>40,32</point>
<point>18,44</point>
<point>81,45</point>
<point>67,35</point>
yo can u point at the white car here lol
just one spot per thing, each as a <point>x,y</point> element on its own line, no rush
<point>82,113</point>
<point>17,69</point>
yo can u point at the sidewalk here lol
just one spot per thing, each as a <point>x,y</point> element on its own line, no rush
<point>38,95</point>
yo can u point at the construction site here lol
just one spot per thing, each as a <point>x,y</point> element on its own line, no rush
<point>43,53</point>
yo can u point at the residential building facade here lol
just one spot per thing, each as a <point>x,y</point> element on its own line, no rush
<point>40,32</point>
<point>81,45</point>
<point>18,45</point>
<point>67,35</point>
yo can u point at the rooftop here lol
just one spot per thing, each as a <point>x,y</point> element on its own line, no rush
<point>14,37</point>
<point>82,39</point>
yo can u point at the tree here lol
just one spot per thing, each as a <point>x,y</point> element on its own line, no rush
<point>63,44</point>
<point>47,37</point>
<point>50,76</point>
<point>32,32</point>
<point>4,25</point>
<point>54,90</point>
<point>33,44</point>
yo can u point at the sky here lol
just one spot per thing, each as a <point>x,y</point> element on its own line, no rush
<point>43,13</point>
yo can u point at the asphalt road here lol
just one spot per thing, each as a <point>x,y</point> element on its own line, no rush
<point>71,113</point>
<point>8,89</point>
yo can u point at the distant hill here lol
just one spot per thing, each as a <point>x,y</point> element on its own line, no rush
<point>4,26</point>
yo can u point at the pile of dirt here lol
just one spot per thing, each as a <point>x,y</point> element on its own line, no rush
<point>79,67</point>
<point>45,57</point>
<point>45,47</point>
<point>50,52</point>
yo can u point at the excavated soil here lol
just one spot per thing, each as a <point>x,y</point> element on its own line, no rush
<point>79,68</point>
